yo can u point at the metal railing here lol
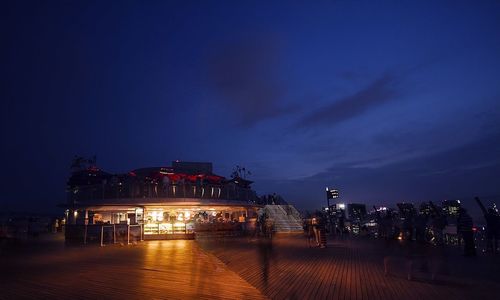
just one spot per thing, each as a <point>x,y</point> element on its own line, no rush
<point>104,234</point>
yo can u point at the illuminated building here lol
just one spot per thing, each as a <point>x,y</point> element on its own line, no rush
<point>184,198</point>
<point>451,208</point>
<point>357,212</point>
<point>406,210</point>
<point>425,209</point>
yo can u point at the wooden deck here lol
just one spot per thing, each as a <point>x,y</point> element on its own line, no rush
<point>242,268</point>
<point>176,269</point>
<point>351,269</point>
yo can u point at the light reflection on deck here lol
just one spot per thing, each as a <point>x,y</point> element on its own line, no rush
<point>157,269</point>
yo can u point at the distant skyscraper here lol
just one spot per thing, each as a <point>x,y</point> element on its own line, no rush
<point>356,211</point>
<point>451,207</point>
<point>425,208</point>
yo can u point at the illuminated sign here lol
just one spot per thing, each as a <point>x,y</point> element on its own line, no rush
<point>332,194</point>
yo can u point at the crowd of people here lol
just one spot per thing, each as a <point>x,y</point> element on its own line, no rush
<point>428,225</point>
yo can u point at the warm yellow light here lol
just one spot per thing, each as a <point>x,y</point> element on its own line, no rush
<point>187,214</point>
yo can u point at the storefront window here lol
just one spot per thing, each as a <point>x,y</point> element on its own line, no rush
<point>187,220</point>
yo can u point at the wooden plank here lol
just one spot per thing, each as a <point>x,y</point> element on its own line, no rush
<point>346,270</point>
<point>230,269</point>
<point>160,269</point>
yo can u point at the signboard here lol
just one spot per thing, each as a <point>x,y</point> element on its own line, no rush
<point>332,194</point>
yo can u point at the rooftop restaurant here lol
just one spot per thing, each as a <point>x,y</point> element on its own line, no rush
<point>156,203</point>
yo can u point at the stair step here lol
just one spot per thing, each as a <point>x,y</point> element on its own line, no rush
<point>285,218</point>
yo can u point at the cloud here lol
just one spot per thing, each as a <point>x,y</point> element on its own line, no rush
<point>461,170</point>
<point>378,92</point>
<point>245,73</point>
<point>460,173</point>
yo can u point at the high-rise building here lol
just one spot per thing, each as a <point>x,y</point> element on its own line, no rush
<point>451,207</point>
<point>356,211</point>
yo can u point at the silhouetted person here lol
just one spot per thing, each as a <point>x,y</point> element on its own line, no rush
<point>268,227</point>
<point>341,225</point>
<point>438,223</point>
<point>492,226</point>
<point>321,233</point>
<point>392,227</point>
<point>408,225</point>
<point>387,224</point>
<point>315,226</point>
<point>465,229</point>
<point>265,255</point>
<point>380,223</point>
<point>309,232</point>
<point>421,226</point>
<point>261,222</point>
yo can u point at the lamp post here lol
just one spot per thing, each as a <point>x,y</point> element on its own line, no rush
<point>330,194</point>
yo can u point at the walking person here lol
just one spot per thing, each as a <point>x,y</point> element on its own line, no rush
<point>266,255</point>
<point>465,229</point>
<point>309,232</point>
<point>438,222</point>
<point>492,227</point>
<point>321,234</point>
<point>315,227</point>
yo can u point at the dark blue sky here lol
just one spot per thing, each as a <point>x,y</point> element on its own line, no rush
<point>388,101</point>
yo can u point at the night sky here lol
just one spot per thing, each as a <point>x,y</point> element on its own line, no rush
<point>387,101</point>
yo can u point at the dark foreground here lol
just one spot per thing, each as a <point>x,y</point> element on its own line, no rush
<point>241,268</point>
